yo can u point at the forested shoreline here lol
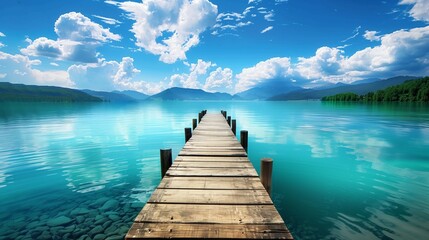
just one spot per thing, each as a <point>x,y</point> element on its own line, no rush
<point>409,91</point>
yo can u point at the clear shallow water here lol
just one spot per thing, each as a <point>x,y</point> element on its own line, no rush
<point>341,171</point>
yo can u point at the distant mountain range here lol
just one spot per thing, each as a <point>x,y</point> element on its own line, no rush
<point>177,93</point>
<point>118,96</point>
<point>274,90</point>
<point>360,89</point>
<point>32,93</point>
<point>267,89</point>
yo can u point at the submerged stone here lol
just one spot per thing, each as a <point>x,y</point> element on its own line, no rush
<point>59,221</point>
<point>110,205</point>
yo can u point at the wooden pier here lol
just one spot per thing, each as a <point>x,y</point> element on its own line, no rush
<point>210,191</point>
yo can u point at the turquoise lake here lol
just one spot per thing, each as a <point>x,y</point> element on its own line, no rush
<point>341,171</point>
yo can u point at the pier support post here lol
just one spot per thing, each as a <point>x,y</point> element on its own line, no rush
<point>194,123</point>
<point>188,134</point>
<point>166,160</point>
<point>229,121</point>
<point>234,126</point>
<point>200,115</point>
<point>225,113</point>
<point>243,139</point>
<point>267,173</point>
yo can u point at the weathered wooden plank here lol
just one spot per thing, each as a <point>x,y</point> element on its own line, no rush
<point>211,183</point>
<point>213,153</point>
<point>219,214</point>
<point>197,196</point>
<point>210,191</point>
<point>218,231</point>
<point>204,148</point>
<point>211,159</point>
<point>212,172</point>
<point>181,164</point>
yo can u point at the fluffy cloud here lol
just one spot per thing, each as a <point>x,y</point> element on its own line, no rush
<point>109,76</point>
<point>371,36</point>
<point>403,52</point>
<point>78,38</point>
<point>169,28</point>
<point>420,9</point>
<point>400,52</point>
<point>20,69</point>
<point>272,68</point>
<point>326,62</point>
<point>191,80</point>
<point>218,80</point>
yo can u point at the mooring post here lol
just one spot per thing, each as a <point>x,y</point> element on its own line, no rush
<point>233,125</point>
<point>229,121</point>
<point>243,139</point>
<point>194,123</point>
<point>188,134</point>
<point>267,173</point>
<point>200,115</point>
<point>166,160</point>
<point>225,113</point>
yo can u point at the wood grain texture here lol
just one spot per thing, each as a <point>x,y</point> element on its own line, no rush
<point>211,183</point>
<point>223,197</point>
<point>206,214</point>
<point>211,191</point>
<point>214,231</point>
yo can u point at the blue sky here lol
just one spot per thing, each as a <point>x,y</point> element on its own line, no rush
<point>226,46</point>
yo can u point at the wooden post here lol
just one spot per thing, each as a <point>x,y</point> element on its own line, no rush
<point>166,160</point>
<point>243,139</point>
<point>200,115</point>
<point>188,134</point>
<point>267,173</point>
<point>225,113</point>
<point>229,121</point>
<point>233,126</point>
<point>194,123</point>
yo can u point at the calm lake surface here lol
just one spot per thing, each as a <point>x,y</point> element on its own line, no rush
<point>341,171</point>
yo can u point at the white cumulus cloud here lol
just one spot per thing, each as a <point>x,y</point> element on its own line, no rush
<point>278,67</point>
<point>20,69</point>
<point>78,39</point>
<point>109,76</point>
<point>193,78</point>
<point>420,9</point>
<point>169,28</point>
<point>326,62</point>
<point>218,80</point>
<point>371,36</point>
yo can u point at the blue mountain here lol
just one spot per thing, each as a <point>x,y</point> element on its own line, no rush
<point>177,93</point>
<point>359,89</point>
<point>110,96</point>
<point>133,94</point>
<point>267,89</point>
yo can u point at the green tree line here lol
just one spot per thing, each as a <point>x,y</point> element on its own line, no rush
<point>409,91</point>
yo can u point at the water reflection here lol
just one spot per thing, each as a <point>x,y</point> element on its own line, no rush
<point>348,165</point>
<point>348,171</point>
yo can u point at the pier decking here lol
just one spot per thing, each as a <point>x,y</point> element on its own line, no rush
<point>210,191</point>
